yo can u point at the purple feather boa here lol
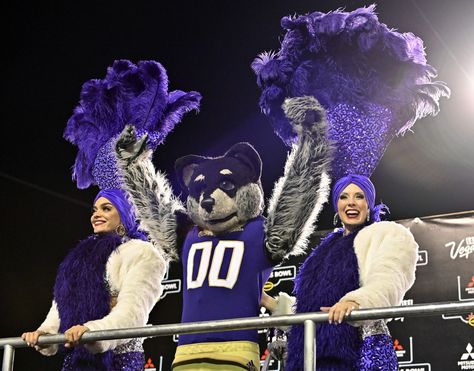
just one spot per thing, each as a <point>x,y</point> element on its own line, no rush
<point>82,295</point>
<point>129,94</point>
<point>348,58</point>
<point>329,272</point>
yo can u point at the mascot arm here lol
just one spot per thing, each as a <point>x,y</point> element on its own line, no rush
<point>150,192</point>
<point>281,305</point>
<point>299,195</point>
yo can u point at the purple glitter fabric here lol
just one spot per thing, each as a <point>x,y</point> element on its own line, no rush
<point>91,362</point>
<point>130,361</point>
<point>104,170</point>
<point>377,354</point>
<point>374,82</point>
<point>129,94</point>
<point>361,138</point>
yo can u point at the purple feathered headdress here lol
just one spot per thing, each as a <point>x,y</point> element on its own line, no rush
<point>129,94</point>
<point>373,82</point>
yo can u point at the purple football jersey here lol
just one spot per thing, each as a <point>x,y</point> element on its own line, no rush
<point>223,278</point>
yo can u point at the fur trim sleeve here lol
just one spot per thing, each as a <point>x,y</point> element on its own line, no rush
<point>387,255</point>
<point>50,326</point>
<point>154,201</point>
<point>298,196</point>
<point>135,270</point>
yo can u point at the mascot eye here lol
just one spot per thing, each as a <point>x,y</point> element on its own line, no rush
<point>226,185</point>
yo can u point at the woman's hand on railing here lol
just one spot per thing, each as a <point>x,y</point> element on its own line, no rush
<point>31,338</point>
<point>74,334</point>
<point>340,310</point>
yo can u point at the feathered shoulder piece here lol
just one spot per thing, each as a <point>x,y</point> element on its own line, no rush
<point>356,67</point>
<point>130,93</point>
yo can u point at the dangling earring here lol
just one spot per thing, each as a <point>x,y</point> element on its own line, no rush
<point>368,216</point>
<point>335,220</point>
<point>120,230</point>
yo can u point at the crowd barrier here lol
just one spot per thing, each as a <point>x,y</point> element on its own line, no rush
<point>308,319</point>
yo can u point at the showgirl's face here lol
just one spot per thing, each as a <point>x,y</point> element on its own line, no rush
<point>105,217</point>
<point>352,207</point>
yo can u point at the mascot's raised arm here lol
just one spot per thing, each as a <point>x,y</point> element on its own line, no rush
<point>226,246</point>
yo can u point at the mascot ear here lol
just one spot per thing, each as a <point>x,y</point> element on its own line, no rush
<point>247,155</point>
<point>184,167</point>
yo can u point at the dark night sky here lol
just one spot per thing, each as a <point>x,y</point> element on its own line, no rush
<point>51,48</point>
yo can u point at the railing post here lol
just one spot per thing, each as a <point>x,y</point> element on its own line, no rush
<point>8,357</point>
<point>309,345</point>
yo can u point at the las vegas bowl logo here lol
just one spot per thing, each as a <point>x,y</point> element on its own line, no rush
<point>278,275</point>
<point>460,250</point>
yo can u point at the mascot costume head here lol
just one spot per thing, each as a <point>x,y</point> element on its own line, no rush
<point>223,192</point>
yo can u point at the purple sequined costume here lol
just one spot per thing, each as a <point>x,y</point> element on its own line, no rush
<point>326,275</point>
<point>374,84</point>
<point>130,94</point>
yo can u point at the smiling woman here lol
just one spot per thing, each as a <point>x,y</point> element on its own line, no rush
<point>97,288</point>
<point>105,217</point>
<point>365,264</point>
<point>112,279</point>
<point>352,208</point>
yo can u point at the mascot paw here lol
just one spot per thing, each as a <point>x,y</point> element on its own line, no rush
<point>285,304</point>
<point>128,146</point>
<point>306,115</point>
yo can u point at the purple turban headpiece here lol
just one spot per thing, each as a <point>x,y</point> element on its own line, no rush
<point>367,186</point>
<point>127,216</point>
<point>373,82</point>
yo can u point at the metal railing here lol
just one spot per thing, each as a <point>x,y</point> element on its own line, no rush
<point>308,319</point>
